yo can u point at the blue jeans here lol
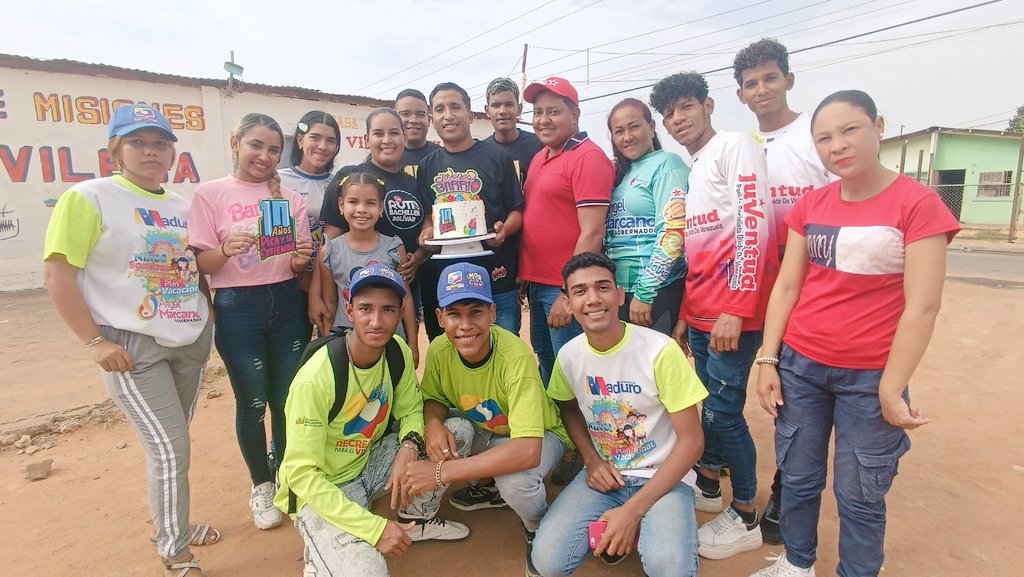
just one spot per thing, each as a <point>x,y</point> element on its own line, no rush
<point>668,531</point>
<point>726,436</point>
<point>547,341</point>
<point>867,455</point>
<point>510,315</point>
<point>524,491</point>
<point>261,333</point>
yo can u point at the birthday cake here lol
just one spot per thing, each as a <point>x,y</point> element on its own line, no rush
<point>458,215</point>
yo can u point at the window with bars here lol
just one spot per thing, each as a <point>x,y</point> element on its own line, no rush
<point>995,184</point>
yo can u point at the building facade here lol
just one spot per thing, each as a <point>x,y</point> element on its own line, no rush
<point>53,133</point>
<point>976,172</point>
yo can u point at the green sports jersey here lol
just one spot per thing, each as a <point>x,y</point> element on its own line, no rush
<point>322,455</point>
<point>502,396</point>
<point>646,220</point>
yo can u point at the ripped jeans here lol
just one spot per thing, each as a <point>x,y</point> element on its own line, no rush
<point>867,453</point>
<point>260,334</point>
<point>726,435</point>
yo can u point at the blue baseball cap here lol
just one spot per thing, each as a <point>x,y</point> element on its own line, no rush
<point>462,281</point>
<point>131,117</point>
<point>376,274</point>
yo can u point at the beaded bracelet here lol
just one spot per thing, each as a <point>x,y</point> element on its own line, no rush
<point>767,361</point>
<point>437,474</point>
<point>95,341</point>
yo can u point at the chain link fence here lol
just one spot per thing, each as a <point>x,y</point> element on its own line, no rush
<point>985,209</point>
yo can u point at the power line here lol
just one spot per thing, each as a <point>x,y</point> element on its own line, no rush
<point>824,44</point>
<point>489,49</point>
<point>453,47</point>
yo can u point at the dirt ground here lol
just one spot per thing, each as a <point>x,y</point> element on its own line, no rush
<point>953,511</point>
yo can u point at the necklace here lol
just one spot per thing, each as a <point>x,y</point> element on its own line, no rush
<point>355,371</point>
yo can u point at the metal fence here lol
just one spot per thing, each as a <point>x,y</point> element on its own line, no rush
<point>984,210</point>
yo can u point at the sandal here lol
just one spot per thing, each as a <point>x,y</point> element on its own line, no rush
<point>199,535</point>
<point>185,566</point>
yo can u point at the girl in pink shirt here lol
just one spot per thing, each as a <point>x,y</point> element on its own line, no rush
<point>251,235</point>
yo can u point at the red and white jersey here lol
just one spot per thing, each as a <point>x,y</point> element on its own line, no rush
<point>794,169</point>
<point>730,234</point>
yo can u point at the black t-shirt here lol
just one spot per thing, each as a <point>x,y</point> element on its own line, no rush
<point>499,190</point>
<point>522,150</point>
<point>411,158</point>
<point>404,208</point>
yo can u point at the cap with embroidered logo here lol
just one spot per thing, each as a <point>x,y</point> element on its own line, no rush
<point>559,86</point>
<point>376,274</point>
<point>131,117</point>
<point>463,281</point>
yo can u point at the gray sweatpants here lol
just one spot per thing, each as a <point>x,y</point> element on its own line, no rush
<point>159,397</point>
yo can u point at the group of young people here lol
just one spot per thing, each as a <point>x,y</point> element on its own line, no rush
<point>628,266</point>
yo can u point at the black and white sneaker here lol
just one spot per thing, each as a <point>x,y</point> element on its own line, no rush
<point>475,497</point>
<point>435,529</point>
<point>531,571</point>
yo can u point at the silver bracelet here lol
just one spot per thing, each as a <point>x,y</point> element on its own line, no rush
<point>767,361</point>
<point>95,341</point>
<point>409,446</point>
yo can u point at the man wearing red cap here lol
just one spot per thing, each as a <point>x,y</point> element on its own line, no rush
<point>568,189</point>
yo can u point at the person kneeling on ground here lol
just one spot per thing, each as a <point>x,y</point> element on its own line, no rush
<point>334,467</point>
<point>491,377</point>
<point>638,431</point>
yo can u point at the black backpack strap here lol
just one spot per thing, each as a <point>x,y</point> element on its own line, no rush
<point>338,353</point>
<point>396,361</point>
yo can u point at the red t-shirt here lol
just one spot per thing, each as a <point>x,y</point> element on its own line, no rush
<point>580,175</point>
<point>852,298</point>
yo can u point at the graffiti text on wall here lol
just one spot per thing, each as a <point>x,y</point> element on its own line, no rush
<point>61,165</point>
<point>93,110</point>
<point>10,227</point>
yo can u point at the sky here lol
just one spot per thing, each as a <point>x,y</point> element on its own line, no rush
<point>959,70</point>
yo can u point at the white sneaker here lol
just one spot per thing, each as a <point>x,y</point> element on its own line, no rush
<point>264,514</point>
<point>707,502</point>
<point>436,529</point>
<point>727,535</point>
<point>783,568</point>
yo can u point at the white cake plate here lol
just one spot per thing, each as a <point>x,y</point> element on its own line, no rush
<point>452,248</point>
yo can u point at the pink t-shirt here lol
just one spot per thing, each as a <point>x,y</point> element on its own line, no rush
<point>852,298</point>
<point>580,175</point>
<point>226,204</point>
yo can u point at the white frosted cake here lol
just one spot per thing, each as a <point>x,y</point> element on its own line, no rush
<point>458,215</point>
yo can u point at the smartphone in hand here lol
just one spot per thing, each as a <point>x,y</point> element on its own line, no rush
<point>595,531</point>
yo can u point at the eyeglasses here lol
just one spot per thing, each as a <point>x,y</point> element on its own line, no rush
<point>408,115</point>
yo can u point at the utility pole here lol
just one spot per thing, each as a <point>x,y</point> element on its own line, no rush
<point>522,76</point>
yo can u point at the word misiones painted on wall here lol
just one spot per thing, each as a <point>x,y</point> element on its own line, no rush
<point>92,110</point>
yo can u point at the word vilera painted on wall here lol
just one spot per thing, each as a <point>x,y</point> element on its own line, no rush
<point>60,165</point>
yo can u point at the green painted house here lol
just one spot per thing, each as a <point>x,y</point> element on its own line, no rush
<point>976,172</point>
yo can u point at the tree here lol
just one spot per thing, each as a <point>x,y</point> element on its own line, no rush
<point>1017,122</point>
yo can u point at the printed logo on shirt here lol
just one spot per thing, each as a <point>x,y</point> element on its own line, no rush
<point>704,222</point>
<point>276,228</point>
<point>485,412</point>
<point>403,210</point>
<point>869,250</point>
<point>598,386</point>
<point>498,273</point>
<point>620,224</point>
<point>169,275</point>
<point>363,416</point>
<point>620,433</point>
<point>147,217</point>
<point>309,422</point>
<point>783,195</point>
<point>451,182</point>
<point>748,251</point>
<point>674,212</point>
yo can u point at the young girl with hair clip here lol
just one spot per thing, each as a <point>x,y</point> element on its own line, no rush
<point>403,210</point>
<point>122,277</point>
<point>360,204</point>
<point>646,219</point>
<point>849,319</point>
<point>314,146</point>
<point>252,237</point>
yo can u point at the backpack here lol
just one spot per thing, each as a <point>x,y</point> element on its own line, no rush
<point>337,352</point>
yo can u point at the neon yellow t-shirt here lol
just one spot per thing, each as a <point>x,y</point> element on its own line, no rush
<point>502,395</point>
<point>321,455</point>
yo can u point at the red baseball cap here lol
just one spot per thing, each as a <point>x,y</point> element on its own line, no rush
<point>559,86</point>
